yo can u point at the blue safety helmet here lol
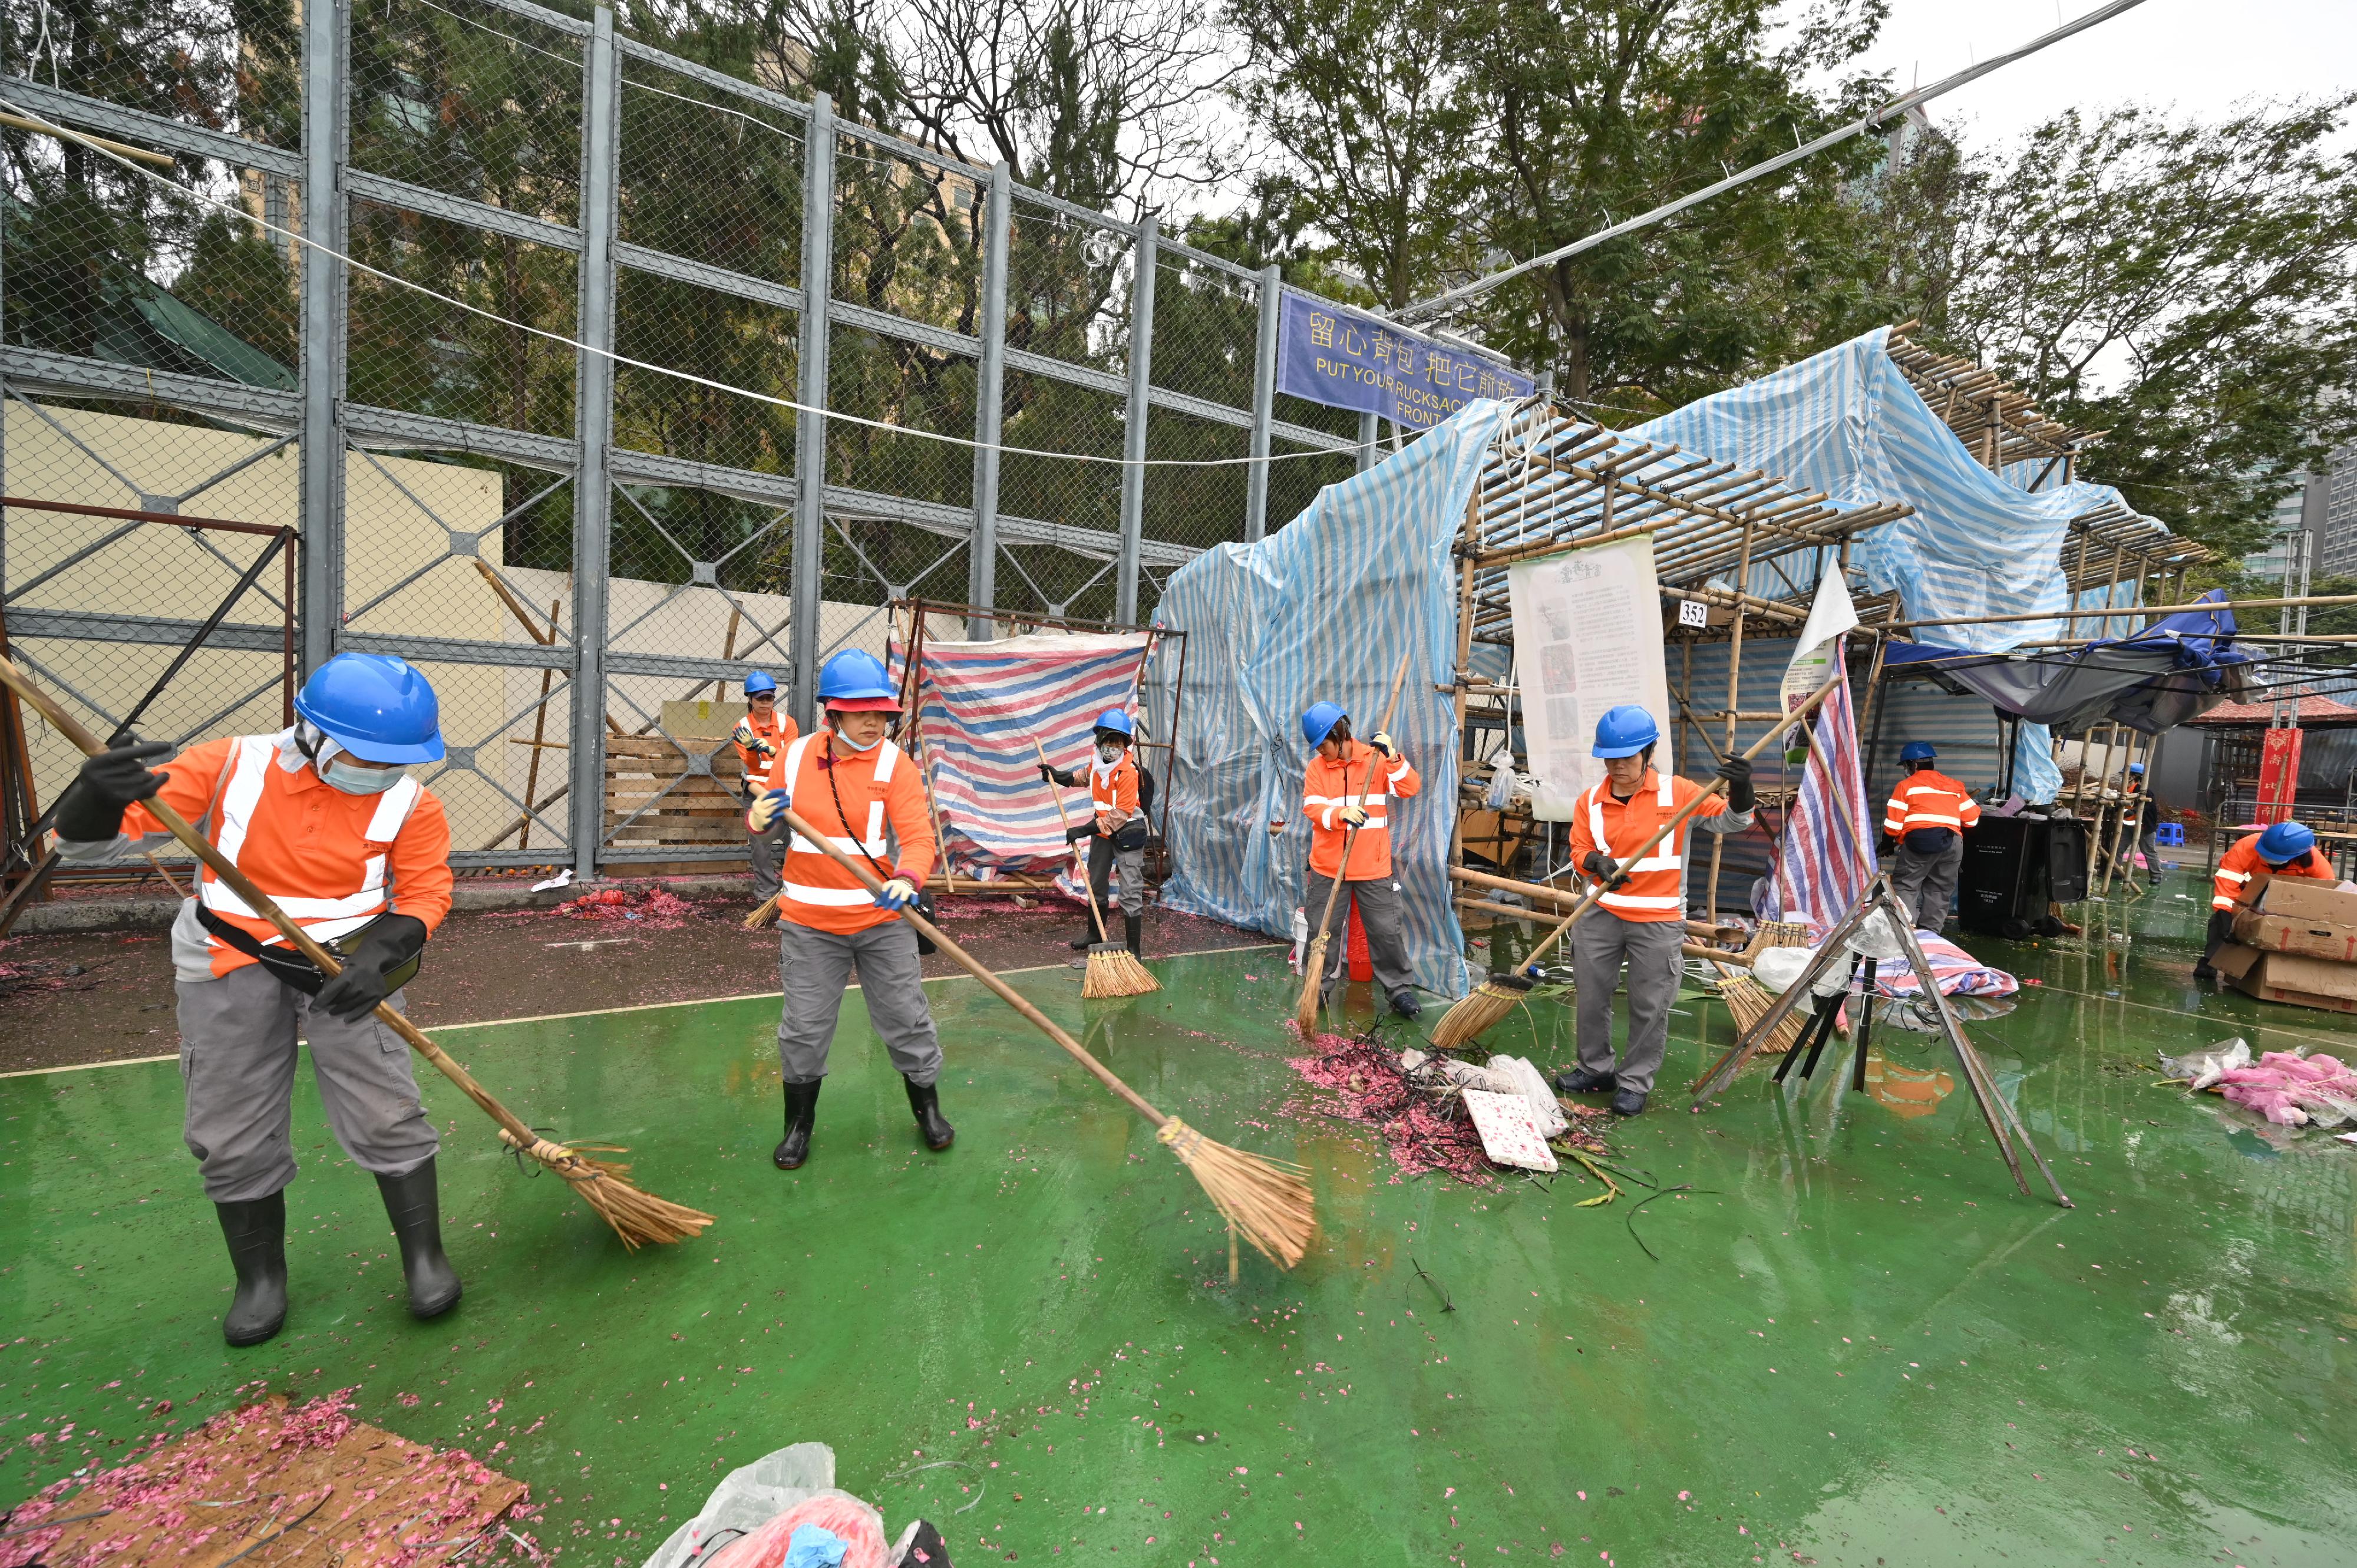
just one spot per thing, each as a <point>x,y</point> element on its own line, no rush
<point>2285,843</point>
<point>856,682</point>
<point>1625,731</point>
<point>760,681</point>
<point>2136,769</point>
<point>1917,751</point>
<point>1113,719</point>
<point>1319,722</point>
<point>375,706</point>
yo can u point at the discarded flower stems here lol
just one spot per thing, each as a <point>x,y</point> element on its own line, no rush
<point>637,1217</point>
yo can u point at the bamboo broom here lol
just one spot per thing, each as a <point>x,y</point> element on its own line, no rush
<point>1313,970</point>
<point>1267,1200</point>
<point>1499,994</point>
<point>637,1217</point>
<point>1112,970</point>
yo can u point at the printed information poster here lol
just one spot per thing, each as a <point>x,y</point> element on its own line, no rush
<point>1588,637</point>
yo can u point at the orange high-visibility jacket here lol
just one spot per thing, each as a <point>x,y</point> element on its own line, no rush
<point>332,861</point>
<point>1113,786</point>
<point>1331,785</point>
<point>2240,864</point>
<point>779,729</point>
<point>881,791</point>
<point>1930,798</point>
<point>1654,888</point>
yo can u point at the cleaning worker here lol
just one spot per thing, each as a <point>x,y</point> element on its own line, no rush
<point>1351,784</point>
<point>2141,831</point>
<point>1928,815</point>
<point>2283,849</point>
<point>1638,924</point>
<point>324,818</point>
<point>1116,829</point>
<point>760,735</point>
<point>850,782</point>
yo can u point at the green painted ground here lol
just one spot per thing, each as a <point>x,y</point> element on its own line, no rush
<point>1860,1345</point>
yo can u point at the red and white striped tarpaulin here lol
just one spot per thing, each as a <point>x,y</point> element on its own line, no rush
<point>980,706</point>
<point>1827,855</point>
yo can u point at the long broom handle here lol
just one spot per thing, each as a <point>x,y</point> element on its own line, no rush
<point>261,904</point>
<point>1088,886</point>
<point>1350,839</point>
<point>1587,900</point>
<point>973,966</point>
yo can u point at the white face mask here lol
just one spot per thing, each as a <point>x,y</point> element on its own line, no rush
<point>854,745</point>
<point>1109,752</point>
<point>353,779</point>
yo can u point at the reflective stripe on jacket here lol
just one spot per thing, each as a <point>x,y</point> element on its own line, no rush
<point>1929,798</point>
<point>1653,888</point>
<point>1113,789</point>
<point>779,729</point>
<point>1331,785</point>
<point>331,860</point>
<point>885,804</point>
<point>2231,883</point>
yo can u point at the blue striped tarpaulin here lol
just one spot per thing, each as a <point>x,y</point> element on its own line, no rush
<point>1324,609</point>
<point>1848,422</point>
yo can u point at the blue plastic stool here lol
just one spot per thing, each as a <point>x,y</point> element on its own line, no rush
<point>2170,833</point>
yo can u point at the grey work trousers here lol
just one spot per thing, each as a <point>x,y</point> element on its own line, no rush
<point>237,1066</point>
<point>814,967</point>
<point>1103,858</point>
<point>1927,883</point>
<point>767,853</point>
<point>1379,913</point>
<point>1602,946</point>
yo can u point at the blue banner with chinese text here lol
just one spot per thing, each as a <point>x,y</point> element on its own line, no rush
<point>1344,360</point>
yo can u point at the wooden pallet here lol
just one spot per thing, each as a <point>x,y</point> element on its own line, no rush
<point>652,800</point>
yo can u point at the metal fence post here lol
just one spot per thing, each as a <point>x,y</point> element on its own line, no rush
<point>327,27</point>
<point>1133,445</point>
<point>1272,289</point>
<point>982,554</point>
<point>593,424</point>
<point>810,429</point>
<point>1371,430</point>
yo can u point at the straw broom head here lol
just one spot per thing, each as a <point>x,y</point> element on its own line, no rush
<point>1750,1001</point>
<point>1313,976</point>
<point>1114,970</point>
<point>764,914</point>
<point>1478,1009</point>
<point>637,1217</point>
<point>1266,1200</point>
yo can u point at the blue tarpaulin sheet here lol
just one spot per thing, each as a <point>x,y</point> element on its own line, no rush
<point>1323,609</point>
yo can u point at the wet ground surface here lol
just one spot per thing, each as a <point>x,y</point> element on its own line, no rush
<point>82,997</point>
<point>1852,1340</point>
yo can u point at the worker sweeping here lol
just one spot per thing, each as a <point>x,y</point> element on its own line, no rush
<point>2283,849</point>
<point>1116,829</point>
<point>322,816</point>
<point>760,735</point>
<point>847,780</point>
<point>1926,819</point>
<point>1638,925</point>
<point>1351,784</point>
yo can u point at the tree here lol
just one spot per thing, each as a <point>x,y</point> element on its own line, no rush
<point>2190,290</point>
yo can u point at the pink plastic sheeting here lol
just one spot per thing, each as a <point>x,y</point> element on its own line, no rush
<point>861,1527</point>
<point>2285,1086</point>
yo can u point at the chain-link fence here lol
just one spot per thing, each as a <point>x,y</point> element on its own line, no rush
<point>506,312</point>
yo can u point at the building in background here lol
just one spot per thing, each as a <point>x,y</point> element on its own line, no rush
<point>2337,546</point>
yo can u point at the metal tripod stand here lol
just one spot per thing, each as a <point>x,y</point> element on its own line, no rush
<point>2003,1123</point>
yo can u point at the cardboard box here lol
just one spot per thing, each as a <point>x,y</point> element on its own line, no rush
<point>2308,900</point>
<point>2292,978</point>
<point>702,718</point>
<point>2271,932</point>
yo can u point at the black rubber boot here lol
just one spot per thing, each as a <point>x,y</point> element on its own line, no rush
<point>413,1204</point>
<point>1088,937</point>
<point>801,1110</point>
<point>256,1232</point>
<point>925,1100</point>
<point>1579,1081</point>
<point>1405,1004</point>
<point>1133,932</point>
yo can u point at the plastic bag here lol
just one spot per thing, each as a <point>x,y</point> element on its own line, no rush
<point>2205,1067</point>
<point>1531,1085</point>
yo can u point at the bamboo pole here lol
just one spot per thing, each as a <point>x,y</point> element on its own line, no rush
<point>2312,601</point>
<point>1734,702</point>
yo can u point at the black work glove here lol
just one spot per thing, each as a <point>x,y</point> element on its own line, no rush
<point>90,810</point>
<point>1048,775</point>
<point>389,943</point>
<point>1087,830</point>
<point>1885,845</point>
<point>1601,866</point>
<point>1737,771</point>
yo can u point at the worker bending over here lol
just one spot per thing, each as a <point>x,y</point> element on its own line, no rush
<point>760,735</point>
<point>851,783</point>
<point>324,820</point>
<point>1638,923</point>
<point>1928,815</point>
<point>1116,826</point>
<point>1351,784</point>
<point>2286,849</point>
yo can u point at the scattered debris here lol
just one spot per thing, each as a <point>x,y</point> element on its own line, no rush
<point>659,908</point>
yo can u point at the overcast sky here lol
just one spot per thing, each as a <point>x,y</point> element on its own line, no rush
<point>2198,55</point>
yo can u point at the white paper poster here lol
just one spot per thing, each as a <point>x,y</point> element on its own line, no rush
<point>1588,637</point>
<point>1829,616</point>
